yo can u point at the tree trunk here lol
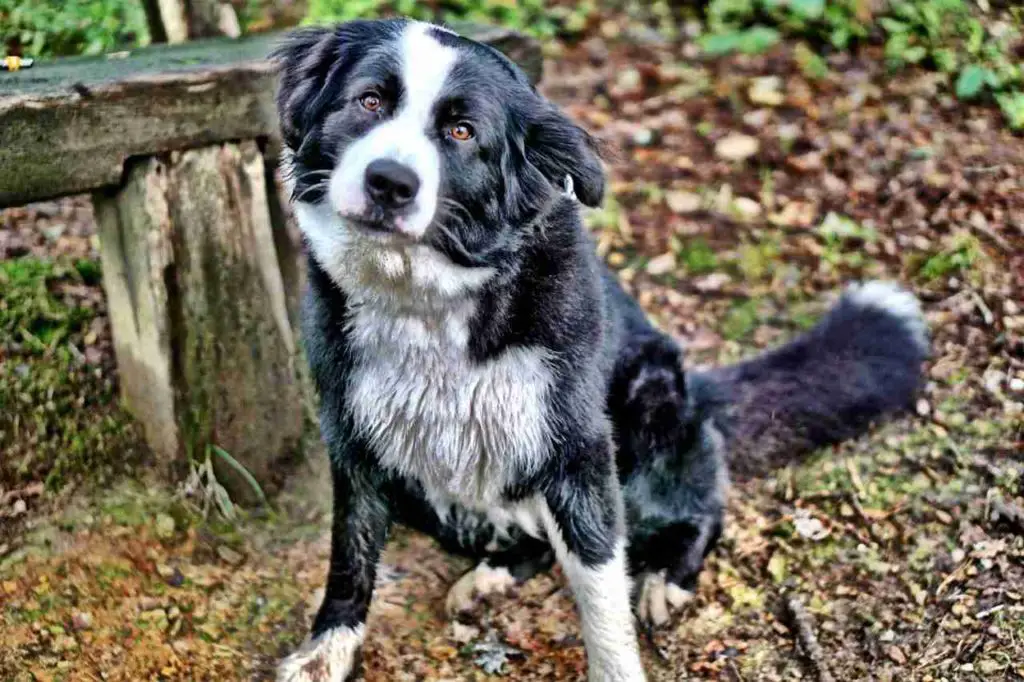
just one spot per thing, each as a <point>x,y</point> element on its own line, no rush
<point>200,315</point>
<point>176,21</point>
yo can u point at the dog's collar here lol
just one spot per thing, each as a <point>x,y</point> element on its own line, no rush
<point>568,189</point>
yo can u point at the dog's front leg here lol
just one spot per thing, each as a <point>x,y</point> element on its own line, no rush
<point>358,532</point>
<point>583,519</point>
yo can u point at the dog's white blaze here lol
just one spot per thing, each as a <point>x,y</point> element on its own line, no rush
<point>407,137</point>
<point>432,413</point>
<point>328,658</point>
<point>603,597</point>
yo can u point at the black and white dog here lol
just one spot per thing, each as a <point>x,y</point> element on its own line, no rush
<point>482,375</point>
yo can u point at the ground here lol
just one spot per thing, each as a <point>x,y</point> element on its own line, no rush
<point>744,194</point>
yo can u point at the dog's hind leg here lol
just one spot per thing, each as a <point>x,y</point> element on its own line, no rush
<point>672,463</point>
<point>498,572</point>
<point>505,555</point>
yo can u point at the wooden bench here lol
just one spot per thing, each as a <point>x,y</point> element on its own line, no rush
<point>177,145</point>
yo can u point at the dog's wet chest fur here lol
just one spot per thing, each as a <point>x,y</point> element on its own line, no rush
<point>464,429</point>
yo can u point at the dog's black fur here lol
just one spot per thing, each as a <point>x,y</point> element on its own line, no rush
<point>632,441</point>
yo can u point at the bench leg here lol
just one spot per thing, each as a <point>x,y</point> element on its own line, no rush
<point>199,310</point>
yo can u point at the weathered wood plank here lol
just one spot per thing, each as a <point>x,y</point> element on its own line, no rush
<point>70,125</point>
<point>205,347</point>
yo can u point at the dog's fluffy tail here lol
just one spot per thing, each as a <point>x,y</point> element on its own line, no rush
<point>860,363</point>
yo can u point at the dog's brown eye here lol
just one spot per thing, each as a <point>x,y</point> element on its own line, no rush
<point>461,131</point>
<point>370,101</point>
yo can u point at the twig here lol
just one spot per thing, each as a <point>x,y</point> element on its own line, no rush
<point>992,236</point>
<point>869,525</point>
<point>986,312</point>
<point>805,636</point>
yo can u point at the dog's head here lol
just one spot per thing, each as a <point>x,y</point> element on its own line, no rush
<point>402,135</point>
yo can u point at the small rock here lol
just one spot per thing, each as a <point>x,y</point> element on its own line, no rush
<point>887,637</point>
<point>713,282</point>
<point>81,620</point>
<point>54,232</point>
<point>629,80</point>
<point>834,184</point>
<point>789,132</point>
<point>737,147</point>
<point>464,634</point>
<point>662,264</point>
<point>229,555</point>
<point>644,137</point>
<point>923,408</point>
<point>683,202</point>
<point>597,50</point>
<point>758,118</point>
<point>806,163</point>
<point>19,507</point>
<point>1016,385</point>
<point>808,526</point>
<point>149,604</point>
<point>164,526</point>
<point>746,208</point>
<point>897,655</point>
<point>172,575</point>
<point>766,91</point>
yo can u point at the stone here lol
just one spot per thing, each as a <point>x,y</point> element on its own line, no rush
<point>737,147</point>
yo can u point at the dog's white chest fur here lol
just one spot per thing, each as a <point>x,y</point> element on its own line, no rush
<point>432,413</point>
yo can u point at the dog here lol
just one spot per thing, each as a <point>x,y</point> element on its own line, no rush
<point>482,375</point>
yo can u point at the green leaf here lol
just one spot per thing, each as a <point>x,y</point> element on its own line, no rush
<point>893,26</point>
<point>720,43</point>
<point>1012,105</point>
<point>945,59</point>
<point>808,9</point>
<point>915,54</point>
<point>970,82</point>
<point>777,567</point>
<point>758,39</point>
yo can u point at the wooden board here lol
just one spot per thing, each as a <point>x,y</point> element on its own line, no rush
<point>70,125</point>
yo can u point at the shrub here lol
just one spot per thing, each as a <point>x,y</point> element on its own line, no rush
<point>939,34</point>
<point>539,17</point>
<point>72,27</point>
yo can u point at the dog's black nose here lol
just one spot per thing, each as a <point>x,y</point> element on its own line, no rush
<point>390,184</point>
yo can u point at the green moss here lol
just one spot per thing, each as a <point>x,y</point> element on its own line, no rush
<point>538,17</point>
<point>698,257</point>
<point>958,256</point>
<point>741,320</point>
<point>59,417</point>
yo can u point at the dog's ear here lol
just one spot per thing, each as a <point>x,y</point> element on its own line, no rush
<point>307,58</point>
<point>314,63</point>
<point>558,147</point>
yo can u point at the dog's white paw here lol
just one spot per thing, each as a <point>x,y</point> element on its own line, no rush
<point>480,582</point>
<point>331,657</point>
<point>659,599</point>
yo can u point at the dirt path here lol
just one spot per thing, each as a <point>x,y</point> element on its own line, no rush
<point>739,204</point>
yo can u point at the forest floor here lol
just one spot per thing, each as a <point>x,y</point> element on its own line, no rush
<point>744,194</point>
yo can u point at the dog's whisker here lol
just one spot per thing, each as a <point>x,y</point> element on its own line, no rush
<point>309,190</point>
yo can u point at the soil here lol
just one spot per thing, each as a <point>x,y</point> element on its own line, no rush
<point>744,194</point>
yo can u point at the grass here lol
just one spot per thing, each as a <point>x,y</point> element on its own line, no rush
<point>59,415</point>
<point>943,35</point>
<point>53,29</point>
<point>538,17</point>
